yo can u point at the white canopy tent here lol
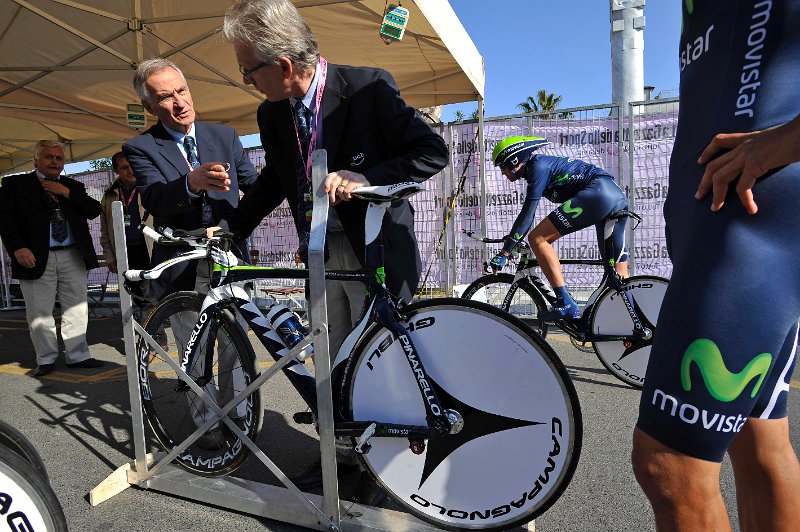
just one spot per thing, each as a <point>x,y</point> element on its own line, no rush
<point>66,66</point>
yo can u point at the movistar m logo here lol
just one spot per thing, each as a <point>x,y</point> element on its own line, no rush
<point>380,275</point>
<point>569,209</point>
<point>721,383</point>
<point>562,177</point>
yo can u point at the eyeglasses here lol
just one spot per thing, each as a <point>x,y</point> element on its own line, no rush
<point>247,71</point>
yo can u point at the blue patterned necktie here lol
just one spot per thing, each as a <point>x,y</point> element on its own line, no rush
<point>58,223</point>
<point>207,217</point>
<point>303,120</point>
<point>305,205</point>
<point>190,146</point>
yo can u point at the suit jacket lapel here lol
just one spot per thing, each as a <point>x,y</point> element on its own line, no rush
<point>169,149</point>
<point>205,144</point>
<point>34,184</point>
<point>334,111</point>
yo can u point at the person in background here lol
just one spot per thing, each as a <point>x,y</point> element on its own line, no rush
<point>44,226</point>
<point>588,196</point>
<point>372,137</point>
<point>123,189</point>
<point>721,364</point>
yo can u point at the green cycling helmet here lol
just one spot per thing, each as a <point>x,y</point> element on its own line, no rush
<point>513,150</point>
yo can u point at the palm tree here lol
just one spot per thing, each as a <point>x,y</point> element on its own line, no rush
<point>458,116</point>
<point>542,102</point>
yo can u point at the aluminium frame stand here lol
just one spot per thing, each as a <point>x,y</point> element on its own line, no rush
<point>287,504</point>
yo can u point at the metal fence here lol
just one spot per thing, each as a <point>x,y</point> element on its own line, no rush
<point>464,196</point>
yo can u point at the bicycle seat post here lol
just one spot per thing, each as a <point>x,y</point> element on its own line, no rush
<point>318,311</point>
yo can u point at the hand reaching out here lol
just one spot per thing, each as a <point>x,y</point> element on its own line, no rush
<point>210,176</point>
<point>751,155</point>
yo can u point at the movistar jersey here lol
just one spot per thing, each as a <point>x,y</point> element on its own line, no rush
<point>739,70</point>
<point>726,340</point>
<point>561,180</point>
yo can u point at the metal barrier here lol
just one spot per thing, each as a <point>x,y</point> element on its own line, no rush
<point>485,201</point>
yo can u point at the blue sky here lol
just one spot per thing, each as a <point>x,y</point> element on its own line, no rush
<point>563,47</point>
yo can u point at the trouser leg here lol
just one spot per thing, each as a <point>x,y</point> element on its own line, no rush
<point>72,289</point>
<point>40,297</point>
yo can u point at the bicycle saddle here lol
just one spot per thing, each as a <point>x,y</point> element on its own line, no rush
<point>386,193</point>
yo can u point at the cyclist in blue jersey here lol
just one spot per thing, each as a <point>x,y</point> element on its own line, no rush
<point>721,363</point>
<point>588,196</point>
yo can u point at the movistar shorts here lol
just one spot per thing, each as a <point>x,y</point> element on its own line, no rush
<point>599,199</point>
<point>726,340</point>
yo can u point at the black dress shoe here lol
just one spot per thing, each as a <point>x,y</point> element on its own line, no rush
<point>368,492</point>
<point>311,478</point>
<point>88,363</point>
<point>42,370</point>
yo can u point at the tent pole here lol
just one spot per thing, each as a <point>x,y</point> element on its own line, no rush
<point>482,169</point>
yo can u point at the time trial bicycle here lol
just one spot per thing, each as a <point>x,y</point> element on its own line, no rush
<point>617,321</point>
<point>458,410</point>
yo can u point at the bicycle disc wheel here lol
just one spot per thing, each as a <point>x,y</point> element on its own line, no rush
<point>520,299</point>
<point>627,360</point>
<point>172,409</point>
<point>17,442</point>
<point>29,503</point>
<point>522,427</point>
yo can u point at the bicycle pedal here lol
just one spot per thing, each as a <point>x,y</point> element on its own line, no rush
<point>303,418</point>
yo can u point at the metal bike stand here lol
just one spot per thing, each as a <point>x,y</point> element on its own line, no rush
<point>287,504</point>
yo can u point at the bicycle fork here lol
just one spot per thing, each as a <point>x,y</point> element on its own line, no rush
<point>440,419</point>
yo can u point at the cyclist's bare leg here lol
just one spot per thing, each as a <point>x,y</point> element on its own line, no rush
<point>767,476</point>
<point>621,269</point>
<point>541,239</point>
<point>683,491</point>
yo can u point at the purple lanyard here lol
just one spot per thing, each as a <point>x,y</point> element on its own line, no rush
<point>312,144</point>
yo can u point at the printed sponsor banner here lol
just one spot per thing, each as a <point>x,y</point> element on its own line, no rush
<point>449,257</point>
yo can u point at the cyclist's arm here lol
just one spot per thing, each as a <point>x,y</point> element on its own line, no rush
<point>536,185</point>
<point>751,155</point>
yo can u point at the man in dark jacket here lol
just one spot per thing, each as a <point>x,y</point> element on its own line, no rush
<point>43,223</point>
<point>371,136</point>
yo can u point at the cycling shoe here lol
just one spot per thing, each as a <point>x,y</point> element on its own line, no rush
<point>567,312</point>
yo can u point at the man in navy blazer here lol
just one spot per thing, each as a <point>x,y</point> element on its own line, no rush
<point>51,257</point>
<point>188,174</point>
<point>181,190</point>
<point>371,136</point>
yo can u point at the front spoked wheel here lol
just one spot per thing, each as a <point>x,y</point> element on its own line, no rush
<point>172,409</point>
<point>627,359</point>
<point>520,299</point>
<point>522,431</point>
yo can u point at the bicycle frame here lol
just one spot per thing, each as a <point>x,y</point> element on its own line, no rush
<point>579,328</point>
<point>380,308</point>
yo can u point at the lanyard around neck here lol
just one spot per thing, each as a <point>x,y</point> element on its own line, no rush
<point>312,144</point>
<point>127,201</point>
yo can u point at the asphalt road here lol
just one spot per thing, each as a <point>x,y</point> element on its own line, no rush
<point>79,420</point>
